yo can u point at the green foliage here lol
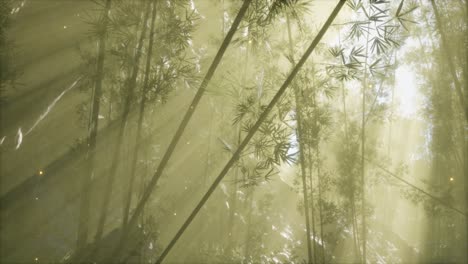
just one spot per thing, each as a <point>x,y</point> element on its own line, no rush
<point>174,61</point>
<point>269,148</point>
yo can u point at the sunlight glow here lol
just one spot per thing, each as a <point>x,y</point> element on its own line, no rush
<point>348,163</point>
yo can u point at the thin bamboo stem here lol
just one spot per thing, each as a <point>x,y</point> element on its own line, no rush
<point>300,139</point>
<point>83,225</point>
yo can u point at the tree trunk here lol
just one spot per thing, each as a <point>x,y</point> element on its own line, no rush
<point>126,111</point>
<point>128,200</point>
<point>83,225</point>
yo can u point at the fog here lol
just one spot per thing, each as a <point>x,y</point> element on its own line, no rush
<point>229,131</point>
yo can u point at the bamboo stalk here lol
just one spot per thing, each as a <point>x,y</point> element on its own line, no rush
<point>312,205</point>
<point>319,184</point>
<point>363,142</point>
<point>300,139</point>
<point>83,225</point>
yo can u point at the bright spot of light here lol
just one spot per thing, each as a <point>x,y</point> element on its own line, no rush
<point>41,172</point>
<point>36,259</point>
<point>406,91</point>
<point>64,27</point>
<point>451,178</point>
<point>175,213</point>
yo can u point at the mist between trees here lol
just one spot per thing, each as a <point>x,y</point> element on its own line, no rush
<point>230,131</point>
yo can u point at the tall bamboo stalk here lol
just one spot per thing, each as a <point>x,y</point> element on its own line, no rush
<point>319,184</point>
<point>253,130</point>
<point>312,205</point>
<point>130,87</point>
<point>249,204</point>
<point>233,207</point>
<point>357,253</point>
<point>300,139</point>
<point>238,141</point>
<point>141,114</point>
<point>83,225</point>
<point>363,143</point>
<point>465,149</point>
<point>232,210</point>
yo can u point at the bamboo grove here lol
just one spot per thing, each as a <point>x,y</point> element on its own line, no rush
<point>234,131</point>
